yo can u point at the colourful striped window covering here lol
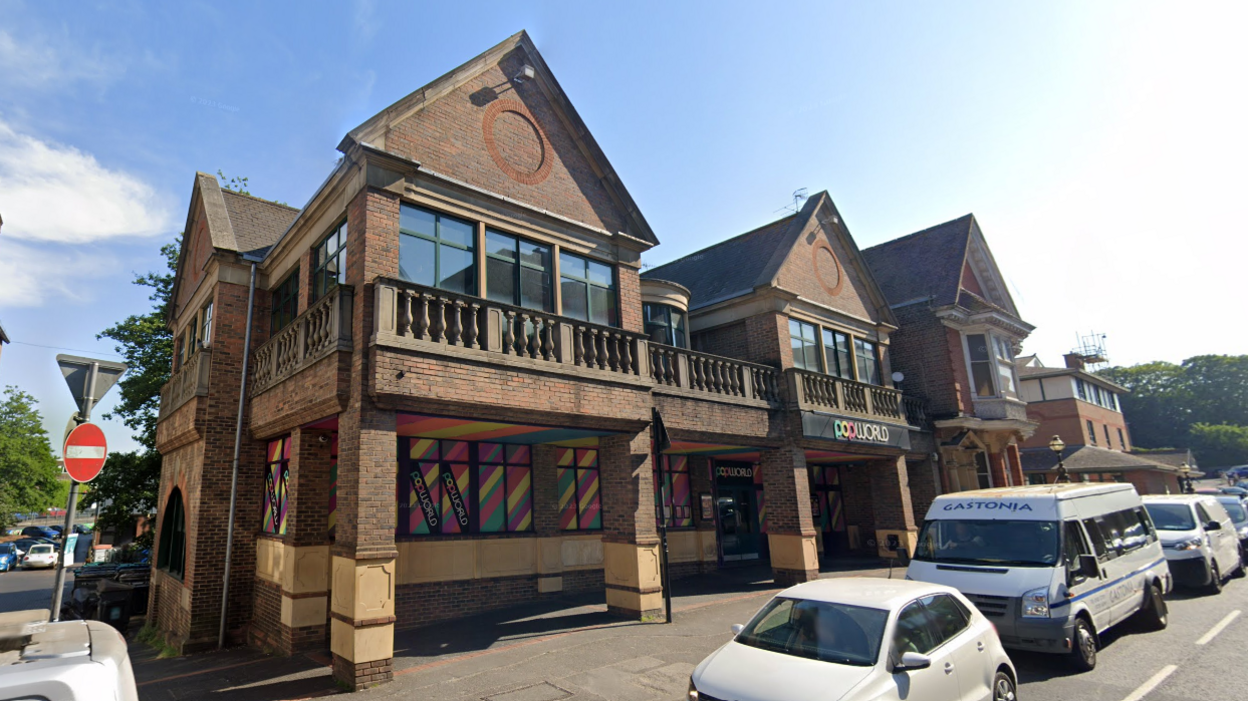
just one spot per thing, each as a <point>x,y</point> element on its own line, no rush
<point>826,498</point>
<point>505,491</point>
<point>449,487</point>
<point>762,497</point>
<point>580,497</point>
<point>276,483</point>
<point>674,476</point>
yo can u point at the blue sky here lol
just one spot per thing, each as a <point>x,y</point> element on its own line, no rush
<point>1099,144</point>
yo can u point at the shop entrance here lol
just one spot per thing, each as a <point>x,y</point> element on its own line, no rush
<point>827,506</point>
<point>737,502</point>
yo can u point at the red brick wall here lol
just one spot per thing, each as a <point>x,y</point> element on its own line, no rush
<point>311,394</point>
<point>930,356</point>
<point>1068,418</point>
<point>798,274</point>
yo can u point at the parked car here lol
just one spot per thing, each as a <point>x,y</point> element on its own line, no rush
<point>1052,566</point>
<point>8,557</point>
<point>39,532</point>
<point>39,555</point>
<point>1239,517</point>
<point>1199,538</point>
<point>58,529</point>
<point>860,639</point>
<point>71,660</point>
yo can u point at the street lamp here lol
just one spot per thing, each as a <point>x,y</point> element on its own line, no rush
<point>1057,445</point>
<point>1185,479</point>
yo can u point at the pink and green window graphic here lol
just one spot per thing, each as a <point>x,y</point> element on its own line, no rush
<point>674,478</point>
<point>580,498</point>
<point>826,498</point>
<point>505,490</point>
<point>449,487</point>
<point>276,484</point>
<point>762,497</point>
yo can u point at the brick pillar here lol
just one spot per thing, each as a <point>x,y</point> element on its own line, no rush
<point>700,483</point>
<point>894,511</point>
<point>1016,463</point>
<point>999,470</point>
<point>546,519</point>
<point>630,540</point>
<point>923,486</point>
<point>790,526</point>
<point>364,552</point>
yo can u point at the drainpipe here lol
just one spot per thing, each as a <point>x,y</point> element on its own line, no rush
<point>238,441</point>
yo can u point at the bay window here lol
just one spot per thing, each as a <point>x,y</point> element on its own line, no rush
<point>436,250</point>
<point>992,365</point>
<point>665,324</point>
<point>588,289</point>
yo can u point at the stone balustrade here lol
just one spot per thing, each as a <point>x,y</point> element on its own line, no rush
<point>191,380</point>
<point>712,374</point>
<point>323,328</point>
<point>815,391</point>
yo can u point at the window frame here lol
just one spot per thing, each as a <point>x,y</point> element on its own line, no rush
<point>665,485</point>
<point>469,497</point>
<point>861,345</point>
<point>815,341</point>
<point>320,273</point>
<point>833,353</point>
<point>577,470</point>
<point>173,537</point>
<point>613,311</point>
<point>1091,432</point>
<point>284,299</point>
<point>518,265</point>
<point>669,314</point>
<point>205,323</point>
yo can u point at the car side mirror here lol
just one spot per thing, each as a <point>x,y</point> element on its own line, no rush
<point>1213,526</point>
<point>1089,566</point>
<point>912,661</point>
<point>737,628</point>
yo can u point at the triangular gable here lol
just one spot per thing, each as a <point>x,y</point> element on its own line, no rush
<point>520,139</point>
<point>821,262</point>
<point>980,263</point>
<point>970,283</point>
<point>207,227</point>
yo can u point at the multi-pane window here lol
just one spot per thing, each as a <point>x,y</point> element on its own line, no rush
<point>285,303</point>
<point>1107,443</point>
<point>805,341</point>
<point>1122,440</point>
<point>329,262</point>
<point>276,484</point>
<point>518,272</point>
<point>172,555</point>
<point>665,324</point>
<point>1005,364</point>
<point>205,324</point>
<point>672,493</point>
<point>836,350</point>
<point>437,250</point>
<point>981,365</point>
<point>448,487</point>
<point>1081,388</point>
<point>588,289</point>
<point>1091,432</point>
<point>868,362</point>
<point>580,499</point>
<point>192,339</point>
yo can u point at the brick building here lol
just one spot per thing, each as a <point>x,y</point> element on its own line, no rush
<point>1083,408</point>
<point>959,332</point>
<point>453,364</point>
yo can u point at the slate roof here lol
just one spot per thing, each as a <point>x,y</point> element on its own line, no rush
<point>924,264</point>
<point>1089,458</point>
<point>729,268</point>
<point>257,223</point>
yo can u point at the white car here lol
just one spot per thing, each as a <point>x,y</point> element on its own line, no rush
<point>67,661</point>
<point>41,555</point>
<point>1198,537</point>
<point>860,639</point>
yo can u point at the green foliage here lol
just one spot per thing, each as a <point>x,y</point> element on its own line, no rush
<point>1199,405</point>
<point>131,480</point>
<point>27,466</point>
<point>238,185</point>
<point>1220,445</point>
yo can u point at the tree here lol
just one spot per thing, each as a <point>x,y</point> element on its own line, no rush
<point>1157,406</point>
<point>130,481</point>
<point>27,466</point>
<point>1220,445</point>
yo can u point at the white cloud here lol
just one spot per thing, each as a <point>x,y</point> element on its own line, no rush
<point>34,276</point>
<point>36,64</point>
<point>51,192</point>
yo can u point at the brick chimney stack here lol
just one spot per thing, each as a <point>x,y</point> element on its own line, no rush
<point>1074,361</point>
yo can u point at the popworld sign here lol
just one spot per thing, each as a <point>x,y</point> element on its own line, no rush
<point>860,431</point>
<point>85,451</point>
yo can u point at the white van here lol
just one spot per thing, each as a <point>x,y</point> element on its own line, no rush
<point>1052,566</point>
<point>1199,538</point>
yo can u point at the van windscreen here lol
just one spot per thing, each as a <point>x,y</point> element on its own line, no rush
<point>1171,517</point>
<point>992,543</point>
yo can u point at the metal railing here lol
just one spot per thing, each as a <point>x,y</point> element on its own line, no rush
<point>191,380</point>
<point>321,329</point>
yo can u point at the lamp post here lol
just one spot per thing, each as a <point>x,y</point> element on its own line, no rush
<point>1057,445</point>
<point>1185,479</point>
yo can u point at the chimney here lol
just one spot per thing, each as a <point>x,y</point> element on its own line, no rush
<point>1074,361</point>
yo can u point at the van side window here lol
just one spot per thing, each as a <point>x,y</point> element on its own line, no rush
<point>1074,545</point>
<point>1146,523</point>
<point>1130,529</point>
<point>1100,541</point>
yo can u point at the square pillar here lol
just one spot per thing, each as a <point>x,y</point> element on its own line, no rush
<point>630,540</point>
<point>894,511</point>
<point>923,486</point>
<point>1015,463</point>
<point>546,519</point>
<point>790,526</point>
<point>999,470</point>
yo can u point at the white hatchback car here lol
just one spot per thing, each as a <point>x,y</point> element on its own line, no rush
<point>860,639</point>
<point>41,555</point>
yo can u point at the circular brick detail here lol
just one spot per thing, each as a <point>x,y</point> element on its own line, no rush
<point>516,142</point>
<point>828,268</point>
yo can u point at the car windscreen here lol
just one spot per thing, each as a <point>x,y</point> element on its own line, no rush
<point>1235,508</point>
<point>1012,543</point>
<point>817,630</point>
<point>7,549</point>
<point>1171,517</point>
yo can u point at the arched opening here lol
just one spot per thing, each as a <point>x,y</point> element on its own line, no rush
<point>172,556</point>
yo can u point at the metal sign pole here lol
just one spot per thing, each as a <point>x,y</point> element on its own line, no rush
<point>58,586</point>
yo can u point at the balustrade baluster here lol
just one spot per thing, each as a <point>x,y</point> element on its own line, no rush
<point>437,324</point>
<point>626,357</point>
<point>600,349</point>
<point>405,312</point>
<point>591,348</point>
<point>422,318</point>
<point>455,335</point>
<point>548,340</point>
<point>613,354</point>
<point>578,345</point>
<point>509,332</point>
<point>472,333</point>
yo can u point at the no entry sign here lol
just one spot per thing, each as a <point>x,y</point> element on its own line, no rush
<point>85,451</point>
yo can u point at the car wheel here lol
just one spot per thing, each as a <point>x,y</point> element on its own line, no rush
<point>1155,615</point>
<point>1242,570</point>
<point>1083,654</point>
<point>1003,688</point>
<point>1215,579</point>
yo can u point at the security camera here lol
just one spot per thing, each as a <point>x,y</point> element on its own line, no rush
<point>323,438</point>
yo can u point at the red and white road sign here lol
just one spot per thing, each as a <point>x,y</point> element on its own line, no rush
<point>85,451</point>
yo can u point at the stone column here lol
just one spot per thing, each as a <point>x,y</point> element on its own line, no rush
<point>630,541</point>
<point>894,512</point>
<point>790,526</point>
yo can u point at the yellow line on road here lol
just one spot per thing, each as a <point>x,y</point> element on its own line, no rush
<point>1222,624</point>
<point>1143,690</point>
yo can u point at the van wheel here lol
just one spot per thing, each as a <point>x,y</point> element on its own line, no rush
<point>1083,654</point>
<point>1241,571</point>
<point>1215,579</point>
<point>1003,688</point>
<point>1155,614</point>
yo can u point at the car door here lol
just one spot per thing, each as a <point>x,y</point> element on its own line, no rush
<point>915,631</point>
<point>966,644</point>
<point>1222,539</point>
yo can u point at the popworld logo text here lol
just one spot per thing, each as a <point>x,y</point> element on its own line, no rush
<point>854,431</point>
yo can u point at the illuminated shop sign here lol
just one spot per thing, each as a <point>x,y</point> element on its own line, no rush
<point>851,430</point>
<point>734,471</point>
